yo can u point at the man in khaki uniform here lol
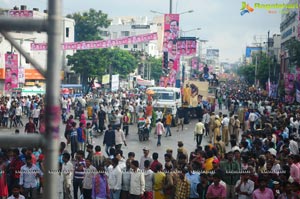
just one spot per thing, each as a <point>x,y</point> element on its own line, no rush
<point>231,123</point>
<point>216,127</point>
<point>241,115</point>
<point>211,126</point>
<point>225,131</point>
<point>237,127</point>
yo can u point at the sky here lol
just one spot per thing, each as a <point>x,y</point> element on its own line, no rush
<point>220,20</point>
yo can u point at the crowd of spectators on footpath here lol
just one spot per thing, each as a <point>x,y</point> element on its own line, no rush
<point>252,151</point>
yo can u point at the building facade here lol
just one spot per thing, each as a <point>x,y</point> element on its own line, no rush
<point>31,78</point>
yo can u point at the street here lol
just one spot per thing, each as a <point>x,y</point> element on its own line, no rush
<point>134,145</point>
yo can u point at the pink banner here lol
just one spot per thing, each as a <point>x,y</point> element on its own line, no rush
<point>171,34</point>
<point>87,45</point>
<point>11,72</point>
<point>298,27</point>
<point>21,13</point>
<point>187,47</point>
<point>194,63</point>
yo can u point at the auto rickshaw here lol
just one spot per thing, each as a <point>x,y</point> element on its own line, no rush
<point>90,105</point>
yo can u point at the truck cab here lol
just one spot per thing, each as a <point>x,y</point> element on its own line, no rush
<point>168,99</point>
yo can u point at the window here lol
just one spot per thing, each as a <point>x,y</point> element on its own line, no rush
<point>114,35</point>
<point>135,46</point>
<point>125,46</point>
<point>124,33</point>
<point>67,32</point>
<point>27,61</point>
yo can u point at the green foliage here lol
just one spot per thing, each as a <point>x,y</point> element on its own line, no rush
<point>262,74</point>
<point>156,68</point>
<point>88,24</point>
<point>248,72</point>
<point>97,62</point>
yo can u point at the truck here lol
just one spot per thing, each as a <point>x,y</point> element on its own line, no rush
<point>167,99</point>
<point>193,92</point>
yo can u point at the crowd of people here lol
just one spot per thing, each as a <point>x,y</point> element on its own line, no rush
<point>252,152</point>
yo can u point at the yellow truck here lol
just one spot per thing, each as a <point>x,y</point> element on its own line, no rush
<point>193,93</point>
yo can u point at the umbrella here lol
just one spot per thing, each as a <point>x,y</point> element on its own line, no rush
<point>149,92</point>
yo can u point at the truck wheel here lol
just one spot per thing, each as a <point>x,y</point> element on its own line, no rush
<point>186,119</point>
<point>174,122</point>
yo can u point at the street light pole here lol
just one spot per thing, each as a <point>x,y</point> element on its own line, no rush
<point>268,50</point>
<point>170,11</point>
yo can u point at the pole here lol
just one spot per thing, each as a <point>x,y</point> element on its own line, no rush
<point>52,98</point>
<point>255,71</point>
<point>268,43</point>
<point>170,9</point>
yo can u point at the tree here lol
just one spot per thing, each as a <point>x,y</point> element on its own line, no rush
<point>248,72</point>
<point>91,64</point>
<point>102,61</point>
<point>88,24</point>
<point>156,68</point>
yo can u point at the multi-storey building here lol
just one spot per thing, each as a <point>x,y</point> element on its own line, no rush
<point>290,29</point>
<point>33,78</point>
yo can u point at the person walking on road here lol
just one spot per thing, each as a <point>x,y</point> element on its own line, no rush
<point>211,126</point>
<point>159,130</point>
<point>168,124</point>
<point>30,126</point>
<point>109,139</point>
<point>180,115</point>
<point>216,127</point>
<point>101,119</point>
<point>198,132</point>
<point>225,129</point>
<point>205,121</point>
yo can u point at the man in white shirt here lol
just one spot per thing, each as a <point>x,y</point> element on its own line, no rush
<point>205,121</point>
<point>119,118</point>
<point>158,114</point>
<point>67,173</point>
<point>115,180</point>
<point>252,118</point>
<point>87,184</point>
<point>16,193</point>
<point>36,114</point>
<point>120,138</point>
<point>293,145</point>
<point>132,113</point>
<point>137,181</point>
<point>244,187</point>
<point>19,115</point>
<point>28,178</point>
<point>225,129</point>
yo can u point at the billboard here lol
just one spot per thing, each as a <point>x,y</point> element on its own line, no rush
<point>250,50</point>
<point>115,82</point>
<point>11,72</point>
<point>187,46</point>
<point>171,34</point>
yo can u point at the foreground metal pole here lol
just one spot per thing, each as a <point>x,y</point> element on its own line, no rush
<point>34,63</point>
<point>24,140</point>
<point>52,98</point>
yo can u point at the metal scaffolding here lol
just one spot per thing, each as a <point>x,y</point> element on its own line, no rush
<point>49,141</point>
